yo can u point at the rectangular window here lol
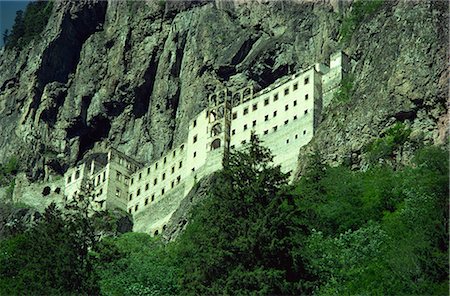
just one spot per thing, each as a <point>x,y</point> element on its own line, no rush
<point>117,193</point>
<point>195,123</point>
<point>306,80</point>
<point>296,137</point>
<point>131,196</point>
<point>195,154</point>
<point>164,176</point>
<point>146,201</point>
<point>233,132</point>
<point>254,123</point>
<point>306,111</point>
<point>266,118</point>
<point>173,169</point>
<point>136,208</point>
<point>165,160</point>
<point>287,141</point>
<point>180,164</point>
<point>295,103</point>
<point>155,181</point>
<point>181,147</point>
<point>178,179</point>
<point>275,97</point>
<point>138,192</point>
<point>245,127</point>
<point>129,210</point>
<point>162,191</point>
<point>304,132</point>
<point>148,171</point>
<point>195,139</point>
<point>69,179</point>
<point>234,115</point>
<point>286,91</point>
<point>266,101</point>
<point>286,122</point>
<point>295,86</point>
<point>156,166</point>
<point>295,117</point>
<point>266,132</point>
<point>172,184</point>
<point>275,128</point>
<point>286,107</point>
<point>153,197</point>
<point>132,181</point>
<point>77,174</point>
<point>147,186</point>
<point>104,176</point>
<point>274,113</point>
<point>140,176</point>
<point>255,107</point>
<point>306,97</point>
<point>174,153</point>
<point>245,111</point>
<point>119,176</point>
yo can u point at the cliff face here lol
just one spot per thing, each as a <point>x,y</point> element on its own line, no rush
<point>133,73</point>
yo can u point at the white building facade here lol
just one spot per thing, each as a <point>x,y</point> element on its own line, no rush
<point>284,116</point>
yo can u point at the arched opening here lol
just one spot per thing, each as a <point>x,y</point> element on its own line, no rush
<point>222,96</point>
<point>216,130</point>
<point>215,144</point>
<point>236,99</point>
<point>220,112</point>
<point>213,100</point>
<point>46,191</point>
<point>156,232</point>
<point>212,116</point>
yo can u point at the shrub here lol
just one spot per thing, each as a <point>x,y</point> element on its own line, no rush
<point>343,94</point>
<point>360,10</point>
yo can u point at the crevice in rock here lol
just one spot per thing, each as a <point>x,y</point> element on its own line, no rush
<point>97,130</point>
<point>61,56</point>
<point>243,51</point>
<point>143,92</point>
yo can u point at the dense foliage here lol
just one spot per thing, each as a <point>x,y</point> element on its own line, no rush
<point>28,25</point>
<point>336,231</point>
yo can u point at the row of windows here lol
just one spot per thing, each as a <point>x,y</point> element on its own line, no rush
<point>266,118</point>
<point>100,178</point>
<point>77,175</point>
<point>266,102</point>
<point>152,199</point>
<point>155,181</point>
<point>275,128</point>
<point>164,161</point>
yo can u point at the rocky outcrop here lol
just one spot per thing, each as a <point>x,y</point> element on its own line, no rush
<point>133,73</point>
<point>400,76</point>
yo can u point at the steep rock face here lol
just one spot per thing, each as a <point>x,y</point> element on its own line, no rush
<point>133,73</point>
<point>400,76</point>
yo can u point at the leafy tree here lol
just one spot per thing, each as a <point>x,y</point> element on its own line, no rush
<point>52,258</point>
<point>245,239</point>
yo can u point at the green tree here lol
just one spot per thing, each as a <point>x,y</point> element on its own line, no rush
<point>245,239</point>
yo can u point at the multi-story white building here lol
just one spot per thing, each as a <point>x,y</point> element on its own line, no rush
<point>284,116</point>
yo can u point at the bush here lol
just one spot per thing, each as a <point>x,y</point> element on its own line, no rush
<point>343,94</point>
<point>383,148</point>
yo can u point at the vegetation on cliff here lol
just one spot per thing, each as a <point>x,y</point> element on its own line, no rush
<point>28,25</point>
<point>336,231</point>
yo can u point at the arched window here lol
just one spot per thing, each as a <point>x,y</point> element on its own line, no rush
<point>215,144</point>
<point>220,112</point>
<point>213,100</point>
<point>222,96</point>
<point>212,116</point>
<point>216,130</point>
<point>236,99</point>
